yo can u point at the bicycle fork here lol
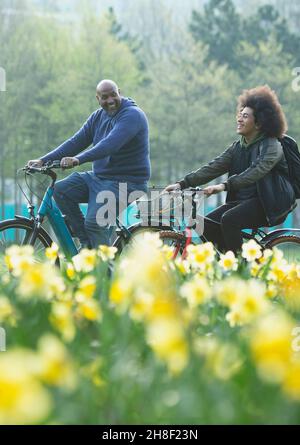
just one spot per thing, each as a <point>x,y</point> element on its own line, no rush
<point>31,237</point>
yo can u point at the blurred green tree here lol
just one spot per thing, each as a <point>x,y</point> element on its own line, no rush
<point>224,30</point>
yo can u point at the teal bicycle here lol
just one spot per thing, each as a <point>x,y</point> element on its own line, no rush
<point>29,231</point>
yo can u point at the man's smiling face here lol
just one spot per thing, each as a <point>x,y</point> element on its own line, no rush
<point>108,96</point>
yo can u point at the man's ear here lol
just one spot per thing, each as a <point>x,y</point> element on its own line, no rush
<point>119,91</point>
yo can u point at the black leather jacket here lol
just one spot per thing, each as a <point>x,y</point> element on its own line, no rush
<point>268,170</point>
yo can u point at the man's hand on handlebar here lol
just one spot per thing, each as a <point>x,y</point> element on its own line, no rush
<point>35,163</point>
<point>69,162</point>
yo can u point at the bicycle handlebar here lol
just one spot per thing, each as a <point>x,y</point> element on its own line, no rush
<point>190,189</point>
<point>55,164</point>
<point>44,168</point>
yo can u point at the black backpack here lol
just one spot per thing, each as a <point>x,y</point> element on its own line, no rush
<point>292,156</point>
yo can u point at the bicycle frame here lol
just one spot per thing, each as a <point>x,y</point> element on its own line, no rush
<point>49,209</point>
<point>185,228</point>
<point>160,221</point>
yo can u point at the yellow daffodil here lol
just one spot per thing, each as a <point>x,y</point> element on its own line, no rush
<point>222,359</point>
<point>228,261</point>
<point>23,400</point>
<point>62,319</point>
<point>168,251</point>
<point>183,266</point>
<point>89,309</point>
<point>107,253</point>
<point>166,338</point>
<point>19,258</point>
<point>251,250</point>
<point>255,268</point>
<point>86,287</point>
<point>229,291</point>
<point>70,271</point>
<point>197,291</point>
<point>120,294</point>
<point>278,270</point>
<point>251,303</point>
<point>8,313</point>
<point>201,255</point>
<point>266,256</point>
<point>56,366</point>
<point>41,280</point>
<point>163,307</point>
<point>142,305</point>
<point>52,252</point>
<point>145,267</point>
<point>291,380</point>
<point>92,371</point>
<point>271,345</point>
<point>85,261</point>
<point>290,291</point>
<point>272,290</point>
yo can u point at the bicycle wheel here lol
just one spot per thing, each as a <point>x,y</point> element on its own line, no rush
<point>18,231</point>
<point>169,237</point>
<point>175,240</point>
<point>289,245</point>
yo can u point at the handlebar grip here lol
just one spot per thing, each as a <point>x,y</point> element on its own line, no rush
<point>195,189</point>
<point>53,164</point>
<point>32,169</point>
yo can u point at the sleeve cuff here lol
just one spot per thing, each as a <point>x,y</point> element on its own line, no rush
<point>226,189</point>
<point>183,184</point>
<point>81,158</point>
<point>46,159</point>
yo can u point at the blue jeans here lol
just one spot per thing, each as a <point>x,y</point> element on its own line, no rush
<point>98,225</point>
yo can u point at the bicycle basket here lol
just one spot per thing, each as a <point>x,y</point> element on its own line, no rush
<point>166,208</point>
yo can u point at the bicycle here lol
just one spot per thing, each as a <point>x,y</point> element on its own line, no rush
<point>287,240</point>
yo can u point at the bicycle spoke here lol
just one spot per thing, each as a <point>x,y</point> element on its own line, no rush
<point>290,249</point>
<point>26,238</point>
<point>39,250</point>
<point>4,237</point>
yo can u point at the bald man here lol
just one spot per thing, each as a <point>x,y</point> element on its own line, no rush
<point>118,133</point>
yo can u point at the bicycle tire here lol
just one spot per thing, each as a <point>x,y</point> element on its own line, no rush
<point>168,235</point>
<point>177,240</point>
<point>25,224</point>
<point>286,239</point>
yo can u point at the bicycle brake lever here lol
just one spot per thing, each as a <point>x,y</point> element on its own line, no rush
<point>31,169</point>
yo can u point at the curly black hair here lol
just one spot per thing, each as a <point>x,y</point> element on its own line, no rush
<point>266,108</point>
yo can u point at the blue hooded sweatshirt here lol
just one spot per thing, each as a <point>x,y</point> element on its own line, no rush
<point>120,144</point>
